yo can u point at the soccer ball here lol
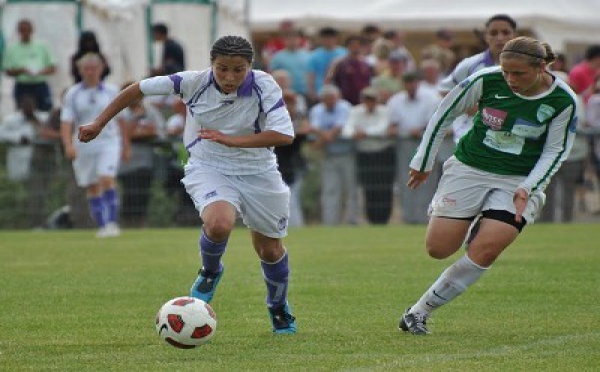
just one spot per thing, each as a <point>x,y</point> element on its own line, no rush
<point>186,322</point>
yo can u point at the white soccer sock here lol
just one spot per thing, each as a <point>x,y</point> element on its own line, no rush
<point>453,281</point>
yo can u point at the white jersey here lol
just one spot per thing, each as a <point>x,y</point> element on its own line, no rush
<point>81,105</point>
<point>255,107</point>
<point>464,69</point>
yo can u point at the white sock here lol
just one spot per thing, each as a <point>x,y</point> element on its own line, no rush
<point>453,281</point>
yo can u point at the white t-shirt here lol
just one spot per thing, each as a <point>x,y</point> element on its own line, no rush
<point>255,107</point>
<point>81,105</point>
<point>409,114</point>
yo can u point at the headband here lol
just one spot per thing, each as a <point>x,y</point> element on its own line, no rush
<point>525,53</point>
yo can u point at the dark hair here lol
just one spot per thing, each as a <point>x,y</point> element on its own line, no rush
<point>232,46</point>
<point>160,28</point>
<point>502,17</point>
<point>592,52</point>
<point>370,29</point>
<point>85,38</point>
<point>328,31</point>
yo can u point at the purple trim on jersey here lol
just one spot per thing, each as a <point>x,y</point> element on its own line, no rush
<point>176,79</point>
<point>488,61</point>
<point>198,93</point>
<point>245,90</point>
<point>260,109</point>
<point>188,147</point>
<point>279,104</point>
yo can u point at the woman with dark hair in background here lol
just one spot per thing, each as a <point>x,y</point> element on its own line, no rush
<point>87,44</point>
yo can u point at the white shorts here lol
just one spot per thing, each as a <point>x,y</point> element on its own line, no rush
<point>90,166</point>
<point>262,200</point>
<point>465,192</point>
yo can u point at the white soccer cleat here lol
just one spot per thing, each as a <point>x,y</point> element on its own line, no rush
<point>111,230</point>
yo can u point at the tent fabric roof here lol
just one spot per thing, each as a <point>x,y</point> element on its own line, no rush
<point>555,21</point>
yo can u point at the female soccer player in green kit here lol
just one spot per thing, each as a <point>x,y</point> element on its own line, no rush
<point>523,130</point>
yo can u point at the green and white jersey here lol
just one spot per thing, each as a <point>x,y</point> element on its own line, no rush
<point>512,134</point>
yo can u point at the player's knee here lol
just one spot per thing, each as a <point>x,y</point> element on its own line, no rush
<point>218,229</point>
<point>439,250</point>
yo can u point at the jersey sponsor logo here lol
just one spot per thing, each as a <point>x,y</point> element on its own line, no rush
<point>493,118</point>
<point>545,112</point>
<point>528,129</point>
<point>281,225</point>
<point>497,96</point>
<point>211,194</point>
<point>227,102</point>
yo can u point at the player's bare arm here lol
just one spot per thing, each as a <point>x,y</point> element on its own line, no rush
<point>130,94</point>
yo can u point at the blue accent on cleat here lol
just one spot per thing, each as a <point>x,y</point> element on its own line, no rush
<point>282,320</point>
<point>206,284</point>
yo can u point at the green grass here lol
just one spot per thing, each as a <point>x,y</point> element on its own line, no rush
<point>70,302</point>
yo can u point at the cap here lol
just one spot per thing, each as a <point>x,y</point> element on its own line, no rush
<point>369,92</point>
<point>397,55</point>
<point>444,34</point>
<point>411,76</point>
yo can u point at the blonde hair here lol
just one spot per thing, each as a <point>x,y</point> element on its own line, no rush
<point>89,57</point>
<point>533,51</point>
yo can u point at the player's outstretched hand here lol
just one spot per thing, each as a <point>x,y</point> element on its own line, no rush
<point>89,131</point>
<point>216,136</point>
<point>520,200</point>
<point>416,178</point>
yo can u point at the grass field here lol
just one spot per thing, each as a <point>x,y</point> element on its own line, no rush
<point>70,302</point>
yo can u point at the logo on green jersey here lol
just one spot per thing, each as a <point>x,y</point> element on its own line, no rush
<point>544,112</point>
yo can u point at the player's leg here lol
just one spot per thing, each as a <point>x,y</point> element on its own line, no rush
<point>108,164</point>
<point>218,220</point>
<point>274,262</point>
<point>84,169</point>
<point>266,211</point>
<point>218,205</point>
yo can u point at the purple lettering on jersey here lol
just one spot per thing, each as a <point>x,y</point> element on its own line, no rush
<point>176,79</point>
<point>493,118</point>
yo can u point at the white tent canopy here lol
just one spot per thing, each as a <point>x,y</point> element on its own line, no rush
<point>557,22</point>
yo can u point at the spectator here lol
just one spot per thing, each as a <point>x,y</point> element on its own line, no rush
<point>371,33</point>
<point>95,164</point>
<point>592,116</point>
<point>144,125</point>
<point>32,156</point>
<point>19,130</point>
<point>430,71</point>
<point>338,173</point>
<point>441,51</point>
<point>293,59</point>
<point>389,82</point>
<point>87,44</point>
<point>277,43</point>
<point>562,191</point>
<point>368,126</point>
<point>321,59</point>
<point>172,56</point>
<point>410,112</point>
<point>185,214</point>
<point>351,74</point>
<point>396,40</point>
<point>290,160</point>
<point>29,61</point>
<point>583,74</point>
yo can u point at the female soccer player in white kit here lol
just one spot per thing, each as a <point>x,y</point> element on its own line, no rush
<point>95,165</point>
<point>235,115</point>
<point>522,132</point>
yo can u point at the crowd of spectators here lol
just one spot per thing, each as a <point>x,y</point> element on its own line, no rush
<point>359,102</point>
